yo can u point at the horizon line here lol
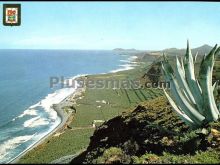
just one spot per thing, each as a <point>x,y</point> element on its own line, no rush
<point>72,49</point>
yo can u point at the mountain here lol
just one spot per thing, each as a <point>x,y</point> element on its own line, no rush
<point>201,50</point>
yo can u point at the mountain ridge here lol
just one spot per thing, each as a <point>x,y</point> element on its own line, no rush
<point>201,50</point>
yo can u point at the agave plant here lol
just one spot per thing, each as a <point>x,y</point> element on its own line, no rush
<point>192,97</point>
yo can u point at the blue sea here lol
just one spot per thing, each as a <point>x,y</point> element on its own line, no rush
<point>26,96</point>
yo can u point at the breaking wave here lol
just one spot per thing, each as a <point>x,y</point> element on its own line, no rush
<point>12,144</point>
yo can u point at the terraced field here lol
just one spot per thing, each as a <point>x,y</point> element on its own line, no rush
<point>107,103</point>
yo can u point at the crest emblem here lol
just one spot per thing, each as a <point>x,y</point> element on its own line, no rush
<point>11,14</point>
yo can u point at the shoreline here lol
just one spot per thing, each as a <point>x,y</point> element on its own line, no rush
<point>63,115</point>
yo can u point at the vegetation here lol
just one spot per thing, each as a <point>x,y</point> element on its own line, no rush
<point>193,98</point>
<point>112,155</point>
<point>207,157</point>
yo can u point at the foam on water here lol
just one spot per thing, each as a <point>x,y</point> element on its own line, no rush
<point>12,144</point>
<point>125,61</point>
<point>51,99</point>
<point>54,98</point>
<point>130,64</point>
<point>35,122</point>
<point>37,137</point>
<point>31,112</point>
<point>132,58</point>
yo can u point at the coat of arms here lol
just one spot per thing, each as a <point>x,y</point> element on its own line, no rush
<point>11,14</point>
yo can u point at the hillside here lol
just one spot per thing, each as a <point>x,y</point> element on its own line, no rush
<point>170,52</point>
<point>151,133</point>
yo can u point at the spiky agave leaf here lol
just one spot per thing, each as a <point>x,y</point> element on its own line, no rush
<point>180,98</point>
<point>180,113</point>
<point>182,81</point>
<point>215,85</point>
<point>191,80</point>
<point>205,78</point>
<point>182,65</point>
<point>195,58</point>
<point>194,100</point>
<point>188,108</point>
<point>189,64</point>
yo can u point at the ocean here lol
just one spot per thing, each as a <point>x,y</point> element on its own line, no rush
<point>26,96</point>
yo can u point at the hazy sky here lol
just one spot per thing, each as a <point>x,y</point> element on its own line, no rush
<point>108,25</point>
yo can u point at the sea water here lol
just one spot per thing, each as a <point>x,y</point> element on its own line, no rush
<point>26,96</point>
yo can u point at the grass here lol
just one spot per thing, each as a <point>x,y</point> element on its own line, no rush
<point>54,147</point>
<point>112,155</point>
<point>207,157</point>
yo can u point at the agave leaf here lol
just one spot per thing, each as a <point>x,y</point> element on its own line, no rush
<point>191,80</point>
<point>168,68</point>
<point>180,113</point>
<point>182,82</point>
<point>194,98</point>
<point>215,85</point>
<point>182,66</point>
<point>200,89</point>
<point>180,98</point>
<point>189,64</point>
<point>195,58</point>
<point>217,51</point>
<point>184,104</point>
<point>205,77</point>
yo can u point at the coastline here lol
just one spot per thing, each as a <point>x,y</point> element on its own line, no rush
<point>63,115</point>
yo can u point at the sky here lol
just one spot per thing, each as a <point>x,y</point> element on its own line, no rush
<point>109,25</point>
